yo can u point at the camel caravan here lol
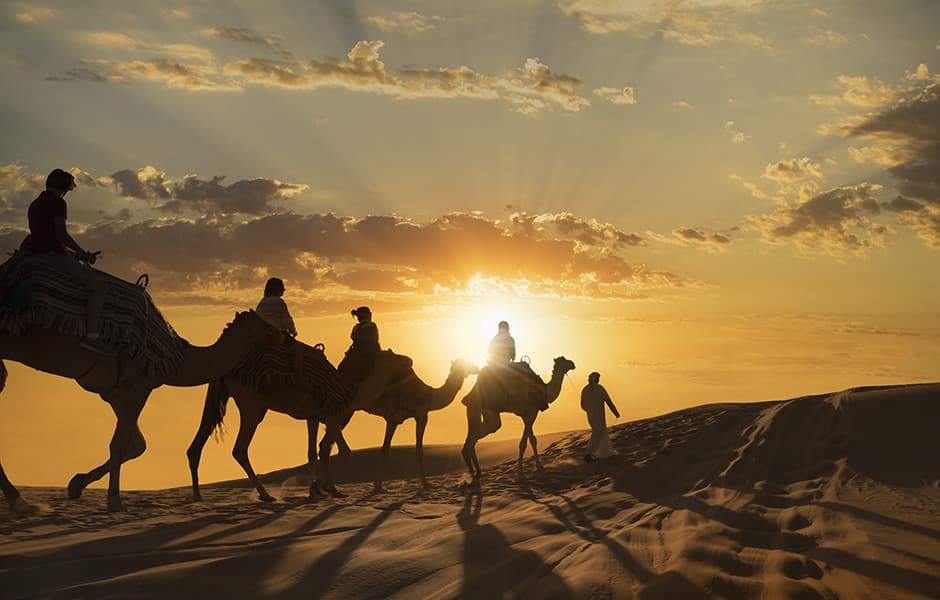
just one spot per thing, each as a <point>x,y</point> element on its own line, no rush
<point>60,315</point>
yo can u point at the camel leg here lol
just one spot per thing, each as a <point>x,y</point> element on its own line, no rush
<point>250,419</point>
<point>194,452</point>
<point>325,478</point>
<point>535,447</point>
<point>136,446</point>
<point>421,423</point>
<point>468,452</point>
<point>127,406</point>
<point>527,435</point>
<point>12,495</point>
<point>313,428</point>
<point>386,447</point>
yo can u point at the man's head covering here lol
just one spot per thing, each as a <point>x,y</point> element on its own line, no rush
<point>503,325</point>
<point>60,180</point>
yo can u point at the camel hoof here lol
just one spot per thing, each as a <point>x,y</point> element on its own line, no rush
<point>22,507</point>
<point>76,486</point>
<point>426,485</point>
<point>336,493</point>
<point>378,489</point>
<point>115,505</point>
<point>197,498</point>
<point>266,497</point>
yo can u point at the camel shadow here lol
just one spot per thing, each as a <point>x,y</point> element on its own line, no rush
<point>494,569</point>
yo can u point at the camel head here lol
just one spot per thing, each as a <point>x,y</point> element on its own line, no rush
<point>254,329</point>
<point>562,365</point>
<point>463,368</point>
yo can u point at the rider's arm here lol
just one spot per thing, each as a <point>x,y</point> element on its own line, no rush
<point>62,236</point>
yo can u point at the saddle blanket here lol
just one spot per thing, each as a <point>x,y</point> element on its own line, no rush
<point>38,295</point>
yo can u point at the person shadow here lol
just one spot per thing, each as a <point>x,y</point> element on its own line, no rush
<point>494,569</point>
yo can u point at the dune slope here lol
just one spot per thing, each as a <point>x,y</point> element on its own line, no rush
<point>829,496</point>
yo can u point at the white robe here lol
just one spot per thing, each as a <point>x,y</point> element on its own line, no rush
<point>593,401</point>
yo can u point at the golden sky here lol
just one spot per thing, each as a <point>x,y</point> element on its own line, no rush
<point>705,201</point>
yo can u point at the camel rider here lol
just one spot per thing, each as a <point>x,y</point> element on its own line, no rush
<point>502,349</point>
<point>49,237</point>
<point>273,309</point>
<point>365,347</point>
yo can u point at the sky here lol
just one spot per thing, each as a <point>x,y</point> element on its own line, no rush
<point>703,200</point>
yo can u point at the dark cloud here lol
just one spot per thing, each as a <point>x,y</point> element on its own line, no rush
<point>204,196</point>
<point>838,219</point>
<point>247,36</point>
<point>698,235</point>
<point>915,123</point>
<point>375,253</point>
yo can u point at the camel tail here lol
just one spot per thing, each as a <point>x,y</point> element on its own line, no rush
<point>3,376</point>
<point>216,402</point>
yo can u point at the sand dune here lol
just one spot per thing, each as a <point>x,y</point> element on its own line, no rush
<point>829,496</point>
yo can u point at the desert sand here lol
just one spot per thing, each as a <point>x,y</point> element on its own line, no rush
<point>828,496</point>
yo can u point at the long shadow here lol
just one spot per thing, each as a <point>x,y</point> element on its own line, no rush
<point>319,576</point>
<point>93,565</point>
<point>881,519</point>
<point>910,580</point>
<point>586,530</point>
<point>494,569</point>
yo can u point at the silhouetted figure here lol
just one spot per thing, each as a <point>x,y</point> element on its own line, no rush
<point>273,309</point>
<point>502,347</point>
<point>49,236</point>
<point>594,398</point>
<point>364,350</point>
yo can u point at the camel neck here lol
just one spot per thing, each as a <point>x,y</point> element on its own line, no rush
<point>202,364</point>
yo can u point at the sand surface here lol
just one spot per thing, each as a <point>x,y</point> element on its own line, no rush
<point>830,496</point>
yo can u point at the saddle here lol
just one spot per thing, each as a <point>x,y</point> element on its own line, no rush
<point>35,294</point>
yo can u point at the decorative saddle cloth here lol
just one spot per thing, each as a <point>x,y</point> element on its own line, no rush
<point>271,366</point>
<point>33,293</point>
<point>499,384</point>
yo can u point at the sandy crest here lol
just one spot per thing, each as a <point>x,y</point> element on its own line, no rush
<point>830,496</point>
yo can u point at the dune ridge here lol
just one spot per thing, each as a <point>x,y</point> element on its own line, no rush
<point>825,496</point>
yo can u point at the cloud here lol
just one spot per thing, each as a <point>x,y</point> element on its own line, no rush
<point>247,36</point>
<point>455,254</point>
<point>819,13</point>
<point>924,220</point>
<point>859,91</point>
<point>406,20</point>
<point>116,39</point>
<point>169,73</point>
<point>737,137</point>
<point>532,88</point>
<point>681,104</point>
<point>177,14</point>
<point>838,219</point>
<point>693,23</point>
<point>826,37</point>
<point>793,169</point>
<point>912,127</point>
<point>699,237</point>
<point>202,196</point>
<point>623,95</point>
<point>31,13</point>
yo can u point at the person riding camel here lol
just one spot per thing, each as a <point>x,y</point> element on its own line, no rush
<point>273,309</point>
<point>502,350</point>
<point>364,349</point>
<point>49,237</point>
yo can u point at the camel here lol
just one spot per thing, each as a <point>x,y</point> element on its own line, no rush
<point>408,397</point>
<point>290,399</point>
<point>119,383</point>
<point>499,389</point>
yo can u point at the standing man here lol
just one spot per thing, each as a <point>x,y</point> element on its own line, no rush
<point>594,398</point>
<point>48,235</point>
<point>502,347</point>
